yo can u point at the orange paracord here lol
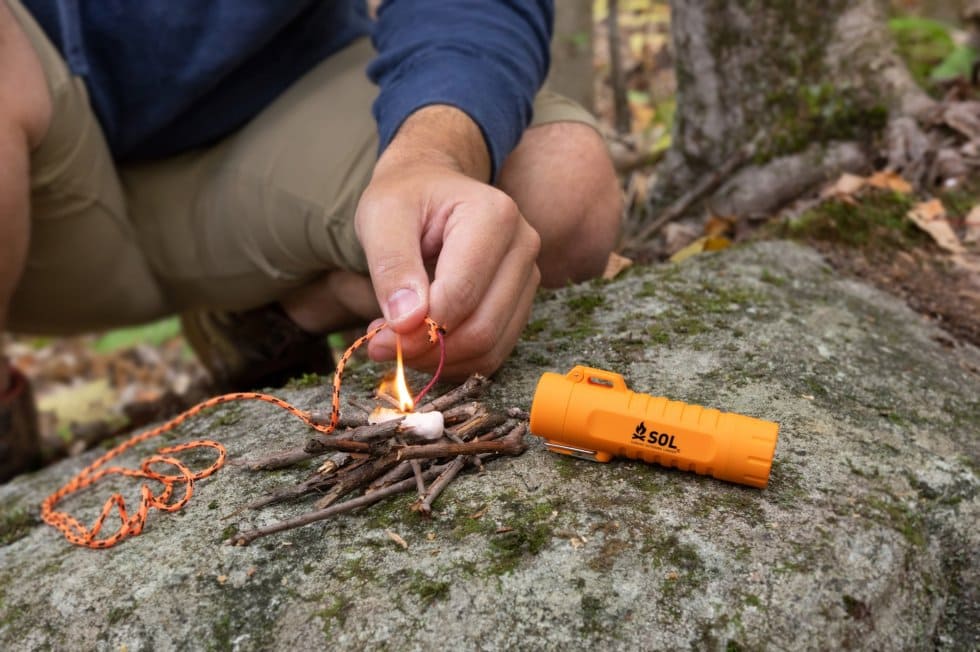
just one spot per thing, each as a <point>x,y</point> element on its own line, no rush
<point>133,524</point>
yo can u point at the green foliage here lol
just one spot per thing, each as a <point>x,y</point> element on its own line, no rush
<point>923,43</point>
<point>877,218</point>
<point>154,334</point>
<point>959,63</point>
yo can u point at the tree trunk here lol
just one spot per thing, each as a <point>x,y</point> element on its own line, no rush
<point>571,52</point>
<point>790,89</point>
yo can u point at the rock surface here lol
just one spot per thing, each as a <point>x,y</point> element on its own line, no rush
<point>867,536</point>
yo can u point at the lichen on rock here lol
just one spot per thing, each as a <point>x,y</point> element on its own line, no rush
<point>866,536</point>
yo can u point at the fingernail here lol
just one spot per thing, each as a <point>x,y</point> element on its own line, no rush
<point>401,303</point>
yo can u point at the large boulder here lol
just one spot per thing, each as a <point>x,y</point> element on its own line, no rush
<point>866,537</point>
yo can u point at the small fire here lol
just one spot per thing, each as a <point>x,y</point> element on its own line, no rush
<point>405,402</point>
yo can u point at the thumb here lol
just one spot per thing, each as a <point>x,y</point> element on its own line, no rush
<point>392,246</point>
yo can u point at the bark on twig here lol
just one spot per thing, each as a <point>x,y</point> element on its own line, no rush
<point>424,505</point>
<point>472,388</point>
<point>705,186</point>
<point>245,538</point>
<point>513,444</point>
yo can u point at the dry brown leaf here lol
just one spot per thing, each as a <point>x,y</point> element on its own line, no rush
<point>846,186</point>
<point>480,512</point>
<point>888,180</point>
<point>930,216</point>
<point>972,224</point>
<point>397,539</point>
<point>615,265</point>
<point>719,225</point>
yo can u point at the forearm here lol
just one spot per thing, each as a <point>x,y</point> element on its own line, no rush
<point>439,135</point>
<point>14,213</point>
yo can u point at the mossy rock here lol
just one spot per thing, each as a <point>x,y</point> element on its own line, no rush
<point>866,536</point>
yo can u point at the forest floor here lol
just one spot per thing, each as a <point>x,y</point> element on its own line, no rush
<point>95,386</point>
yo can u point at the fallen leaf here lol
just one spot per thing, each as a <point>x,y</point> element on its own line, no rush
<point>719,225</point>
<point>700,245</point>
<point>677,236</point>
<point>846,185</point>
<point>615,265</point>
<point>397,539</point>
<point>503,530</point>
<point>888,180</point>
<point>576,542</point>
<point>251,571</point>
<point>222,579</point>
<point>972,224</point>
<point>930,216</point>
<point>480,512</point>
<point>80,403</point>
<point>673,576</point>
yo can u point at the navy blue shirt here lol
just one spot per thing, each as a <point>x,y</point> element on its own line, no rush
<point>165,76</point>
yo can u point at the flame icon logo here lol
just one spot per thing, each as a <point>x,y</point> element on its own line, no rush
<point>641,429</point>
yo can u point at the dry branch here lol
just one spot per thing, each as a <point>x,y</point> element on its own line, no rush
<point>245,538</point>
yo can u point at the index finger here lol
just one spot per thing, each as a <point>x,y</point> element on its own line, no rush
<point>475,243</point>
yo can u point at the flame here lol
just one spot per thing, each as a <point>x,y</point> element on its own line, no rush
<point>405,402</point>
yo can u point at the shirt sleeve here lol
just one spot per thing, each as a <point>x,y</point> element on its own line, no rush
<point>486,58</point>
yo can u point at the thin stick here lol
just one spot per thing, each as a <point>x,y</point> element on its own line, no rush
<point>403,470</point>
<point>357,478</point>
<point>706,185</point>
<point>424,505</point>
<point>472,388</point>
<point>245,538</point>
<point>510,445</point>
<point>417,472</point>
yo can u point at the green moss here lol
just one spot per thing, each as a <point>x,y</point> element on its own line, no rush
<point>877,219</point>
<point>657,334</point>
<point>335,613</point>
<point>567,466</point>
<point>592,615</point>
<point>118,614</point>
<point>818,113</point>
<point>15,523</point>
<point>898,517</point>
<point>753,600</point>
<point>535,327</point>
<point>529,531</point>
<point>586,304</point>
<point>229,532</point>
<point>221,632</point>
<point>305,381</point>
<point>772,279</point>
<point>428,590</point>
<point>682,568</point>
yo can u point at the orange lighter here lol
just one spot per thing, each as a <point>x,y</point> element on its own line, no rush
<point>590,413</point>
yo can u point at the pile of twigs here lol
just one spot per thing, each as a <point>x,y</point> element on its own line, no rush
<point>367,463</point>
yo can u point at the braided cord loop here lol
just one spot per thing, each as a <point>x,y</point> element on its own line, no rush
<point>132,524</point>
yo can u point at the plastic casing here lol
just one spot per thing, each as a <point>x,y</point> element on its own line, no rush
<point>592,411</point>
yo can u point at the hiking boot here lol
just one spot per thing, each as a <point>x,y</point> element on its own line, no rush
<point>20,441</point>
<point>255,348</point>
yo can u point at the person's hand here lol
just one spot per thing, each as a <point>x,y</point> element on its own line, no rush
<point>426,211</point>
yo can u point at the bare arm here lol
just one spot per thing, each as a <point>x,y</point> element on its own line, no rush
<point>25,110</point>
<point>429,205</point>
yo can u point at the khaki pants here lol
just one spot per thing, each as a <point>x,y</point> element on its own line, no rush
<point>230,226</point>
